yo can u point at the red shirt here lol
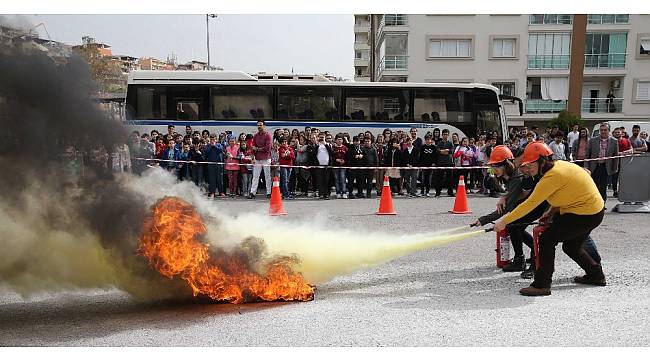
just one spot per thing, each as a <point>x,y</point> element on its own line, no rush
<point>340,153</point>
<point>287,155</point>
<point>624,144</point>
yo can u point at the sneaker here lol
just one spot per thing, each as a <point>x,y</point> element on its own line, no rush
<point>589,281</point>
<point>222,195</point>
<point>339,196</point>
<point>345,196</point>
<point>268,196</point>
<point>528,273</point>
<point>533,291</point>
<point>251,196</point>
<point>427,195</point>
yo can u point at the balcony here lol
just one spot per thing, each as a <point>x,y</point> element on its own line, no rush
<point>588,105</point>
<point>556,62</point>
<point>550,19</point>
<point>361,62</point>
<point>608,19</point>
<point>391,20</point>
<point>545,106</point>
<point>605,61</point>
<point>602,105</point>
<point>361,45</point>
<point>393,62</point>
<point>361,27</point>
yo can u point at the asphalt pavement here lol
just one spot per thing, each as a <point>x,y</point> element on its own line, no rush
<point>447,296</point>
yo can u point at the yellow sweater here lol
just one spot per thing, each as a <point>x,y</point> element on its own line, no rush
<point>566,186</point>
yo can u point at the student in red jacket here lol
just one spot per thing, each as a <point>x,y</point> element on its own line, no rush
<point>287,157</point>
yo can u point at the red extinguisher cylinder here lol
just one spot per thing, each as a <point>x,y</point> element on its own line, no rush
<point>537,232</point>
<point>503,248</point>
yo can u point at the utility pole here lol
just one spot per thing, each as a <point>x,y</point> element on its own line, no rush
<point>207,33</point>
<point>577,65</point>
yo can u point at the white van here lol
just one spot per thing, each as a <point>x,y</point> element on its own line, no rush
<point>645,126</point>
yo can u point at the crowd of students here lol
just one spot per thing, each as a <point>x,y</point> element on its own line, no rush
<point>337,161</point>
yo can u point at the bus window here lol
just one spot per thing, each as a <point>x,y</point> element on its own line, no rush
<point>150,102</point>
<point>442,105</point>
<point>307,103</point>
<point>188,110</point>
<point>376,104</point>
<point>242,102</point>
<point>486,110</point>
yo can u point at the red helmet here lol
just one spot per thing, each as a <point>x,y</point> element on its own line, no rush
<point>534,150</point>
<point>499,154</point>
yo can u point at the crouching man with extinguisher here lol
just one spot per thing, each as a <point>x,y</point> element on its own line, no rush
<point>578,208</point>
<point>517,189</point>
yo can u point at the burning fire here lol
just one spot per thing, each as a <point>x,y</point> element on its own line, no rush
<point>171,240</point>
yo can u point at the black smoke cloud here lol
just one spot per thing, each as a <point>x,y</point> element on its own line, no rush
<point>54,235</point>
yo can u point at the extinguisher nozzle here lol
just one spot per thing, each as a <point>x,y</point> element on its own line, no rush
<point>488,230</point>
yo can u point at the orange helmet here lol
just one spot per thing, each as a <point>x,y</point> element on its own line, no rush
<point>534,150</point>
<point>499,154</point>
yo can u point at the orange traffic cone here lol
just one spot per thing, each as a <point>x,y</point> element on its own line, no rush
<point>386,201</point>
<point>460,204</point>
<point>276,207</point>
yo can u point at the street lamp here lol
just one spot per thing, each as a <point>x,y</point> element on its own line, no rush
<point>207,29</point>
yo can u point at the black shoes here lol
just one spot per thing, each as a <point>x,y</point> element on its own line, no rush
<point>517,264</point>
<point>587,280</point>
<point>530,272</point>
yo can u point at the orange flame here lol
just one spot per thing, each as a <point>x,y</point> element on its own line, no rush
<point>171,240</point>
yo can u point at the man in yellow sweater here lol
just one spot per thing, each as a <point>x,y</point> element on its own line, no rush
<point>577,209</point>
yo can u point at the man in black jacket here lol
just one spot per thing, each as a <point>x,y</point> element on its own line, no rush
<point>357,158</point>
<point>428,157</point>
<point>371,161</point>
<point>444,177</point>
<point>411,158</point>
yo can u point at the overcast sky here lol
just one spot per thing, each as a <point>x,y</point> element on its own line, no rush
<point>272,43</point>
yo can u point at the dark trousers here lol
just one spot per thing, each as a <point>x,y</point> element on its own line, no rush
<point>600,178</point>
<point>518,233</point>
<point>571,230</point>
<point>367,177</point>
<point>197,174</point>
<point>425,184</point>
<point>359,178</point>
<point>615,182</point>
<point>444,179</point>
<point>322,181</point>
<point>395,186</point>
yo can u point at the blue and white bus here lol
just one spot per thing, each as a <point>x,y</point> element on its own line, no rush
<point>235,101</point>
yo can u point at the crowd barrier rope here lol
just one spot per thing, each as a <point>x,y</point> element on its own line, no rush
<point>366,167</point>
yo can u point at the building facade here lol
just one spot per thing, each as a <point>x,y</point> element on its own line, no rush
<point>527,56</point>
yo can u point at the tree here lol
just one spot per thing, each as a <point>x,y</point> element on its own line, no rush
<point>565,121</point>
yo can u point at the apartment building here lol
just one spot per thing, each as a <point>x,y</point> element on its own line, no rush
<point>523,55</point>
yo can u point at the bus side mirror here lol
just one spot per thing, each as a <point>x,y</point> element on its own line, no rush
<point>512,99</point>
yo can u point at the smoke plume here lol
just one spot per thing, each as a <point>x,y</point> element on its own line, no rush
<point>56,236</point>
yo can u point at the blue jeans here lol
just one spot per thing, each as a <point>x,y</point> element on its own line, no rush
<point>285,174</point>
<point>339,175</point>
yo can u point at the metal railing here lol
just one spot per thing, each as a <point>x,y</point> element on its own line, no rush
<point>611,60</point>
<point>391,20</point>
<point>602,105</point>
<point>545,106</point>
<point>393,62</point>
<point>608,19</point>
<point>550,19</point>
<point>548,61</point>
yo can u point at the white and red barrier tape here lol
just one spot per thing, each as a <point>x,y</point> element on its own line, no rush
<point>366,167</point>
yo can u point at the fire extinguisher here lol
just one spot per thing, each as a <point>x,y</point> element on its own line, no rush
<point>503,248</point>
<point>537,232</point>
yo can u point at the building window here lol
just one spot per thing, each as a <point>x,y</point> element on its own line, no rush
<point>643,46</point>
<point>605,50</point>
<point>608,19</point>
<point>357,54</point>
<point>506,88</point>
<point>450,48</point>
<point>549,19</point>
<point>549,51</point>
<point>504,48</point>
<point>642,91</point>
<point>359,72</point>
<point>395,19</point>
